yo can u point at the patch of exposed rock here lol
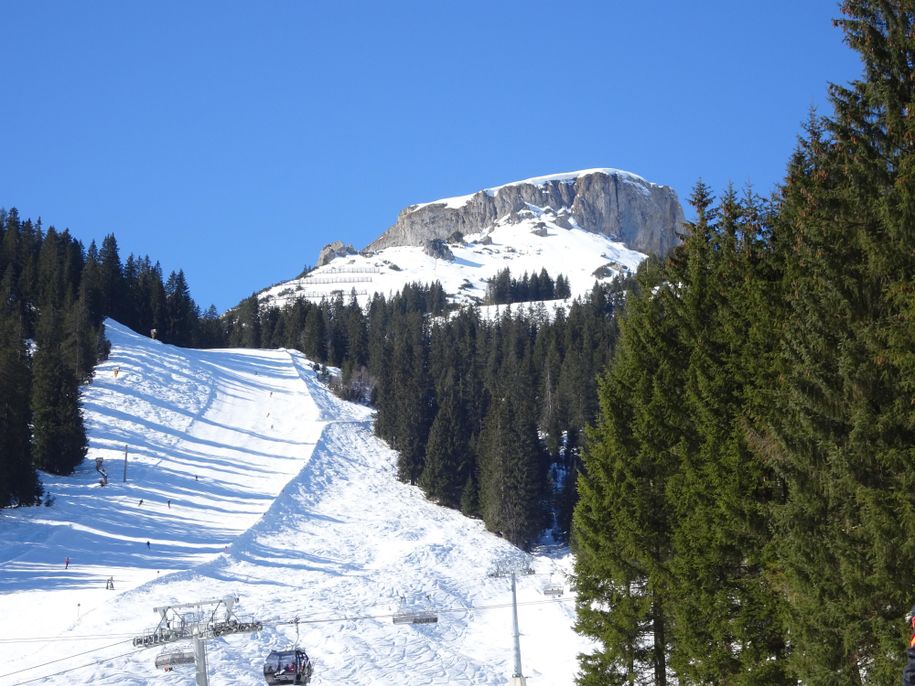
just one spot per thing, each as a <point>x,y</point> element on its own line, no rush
<point>333,250</point>
<point>436,248</point>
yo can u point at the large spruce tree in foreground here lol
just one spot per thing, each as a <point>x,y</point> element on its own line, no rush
<point>749,495</point>
<point>844,424</point>
<point>623,526</point>
<point>725,620</point>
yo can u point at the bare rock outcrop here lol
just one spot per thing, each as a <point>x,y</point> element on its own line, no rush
<point>642,215</point>
<point>332,250</point>
<point>437,248</point>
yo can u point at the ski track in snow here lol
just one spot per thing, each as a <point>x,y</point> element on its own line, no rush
<point>281,494</point>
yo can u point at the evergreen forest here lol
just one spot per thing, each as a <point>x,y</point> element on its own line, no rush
<point>54,295</point>
<point>486,414</point>
<point>747,496</point>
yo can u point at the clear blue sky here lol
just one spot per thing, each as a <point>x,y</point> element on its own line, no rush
<point>234,140</point>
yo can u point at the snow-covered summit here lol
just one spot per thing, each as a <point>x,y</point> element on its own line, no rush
<point>620,205</point>
<point>532,239</point>
<point>587,225</point>
<point>565,177</point>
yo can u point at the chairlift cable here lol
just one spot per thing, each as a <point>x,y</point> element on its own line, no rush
<point>291,622</point>
<point>61,659</point>
<point>78,637</point>
<point>295,621</point>
<point>73,669</point>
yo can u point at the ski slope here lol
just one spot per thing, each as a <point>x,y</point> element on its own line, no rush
<point>256,481</point>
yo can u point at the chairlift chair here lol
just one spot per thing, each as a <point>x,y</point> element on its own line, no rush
<point>170,658</point>
<point>553,588</point>
<point>416,617</point>
<point>411,614</point>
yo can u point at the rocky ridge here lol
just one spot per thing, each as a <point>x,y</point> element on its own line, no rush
<point>588,226</point>
<point>622,206</point>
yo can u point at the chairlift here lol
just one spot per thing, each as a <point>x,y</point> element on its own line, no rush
<point>414,614</point>
<point>168,659</point>
<point>552,588</point>
<point>291,666</point>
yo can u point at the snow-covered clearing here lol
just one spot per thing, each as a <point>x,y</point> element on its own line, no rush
<point>528,245</point>
<point>246,476</point>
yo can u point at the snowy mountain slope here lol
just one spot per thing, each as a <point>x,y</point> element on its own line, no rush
<point>527,242</point>
<point>278,492</point>
<point>588,225</point>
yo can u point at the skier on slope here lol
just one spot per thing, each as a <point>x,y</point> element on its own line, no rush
<point>908,674</point>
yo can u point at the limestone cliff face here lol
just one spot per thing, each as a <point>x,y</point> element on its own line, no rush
<point>625,207</point>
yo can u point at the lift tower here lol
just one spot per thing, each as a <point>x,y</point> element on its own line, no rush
<point>199,621</point>
<point>518,679</point>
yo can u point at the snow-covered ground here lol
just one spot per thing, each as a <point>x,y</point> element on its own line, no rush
<point>537,240</point>
<point>246,477</point>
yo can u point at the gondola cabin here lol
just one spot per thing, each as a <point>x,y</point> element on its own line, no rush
<point>287,667</point>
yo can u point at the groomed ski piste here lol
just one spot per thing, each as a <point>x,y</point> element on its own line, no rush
<point>246,477</point>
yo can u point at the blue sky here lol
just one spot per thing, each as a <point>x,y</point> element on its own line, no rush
<point>233,140</point>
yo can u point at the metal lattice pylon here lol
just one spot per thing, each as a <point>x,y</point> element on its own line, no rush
<point>199,622</point>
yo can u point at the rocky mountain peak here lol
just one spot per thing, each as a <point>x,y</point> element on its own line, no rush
<point>622,206</point>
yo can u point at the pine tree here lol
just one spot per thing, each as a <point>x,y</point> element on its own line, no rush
<point>843,426</point>
<point>445,468</point>
<point>512,461</point>
<point>406,399</point>
<point>80,345</point>
<point>181,311</point>
<point>500,288</point>
<point>623,525</point>
<point>211,333</point>
<point>59,438</point>
<point>314,337</point>
<point>91,292</point>
<point>246,328</point>
<point>19,483</point>
<point>111,280</point>
<point>150,298</point>
<point>51,287</point>
<point>470,498</point>
<point>725,627</point>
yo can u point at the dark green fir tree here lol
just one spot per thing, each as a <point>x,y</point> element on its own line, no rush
<point>59,438</point>
<point>19,483</point>
<point>844,422</point>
